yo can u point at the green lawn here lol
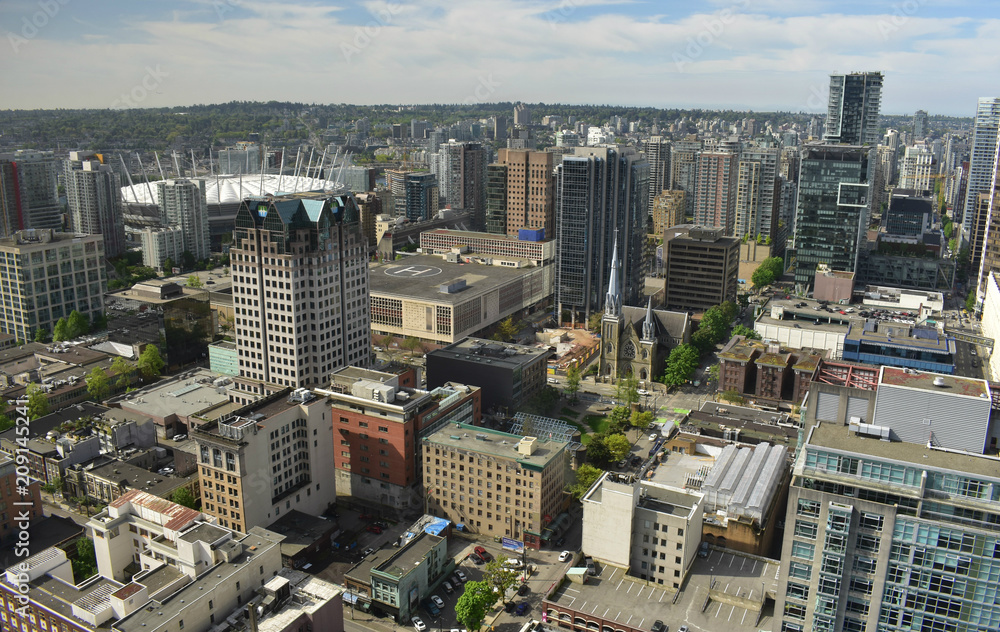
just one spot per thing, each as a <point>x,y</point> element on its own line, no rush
<point>598,423</point>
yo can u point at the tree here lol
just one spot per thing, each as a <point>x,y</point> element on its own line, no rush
<point>473,604</point>
<point>586,476</point>
<point>123,369</point>
<point>762,277</point>
<point>78,325</point>
<point>618,446</point>
<point>499,576</point>
<point>594,323</point>
<point>85,562</point>
<point>713,372</point>
<point>6,422</point>
<point>411,344</point>
<point>151,363</point>
<point>168,266</point>
<point>619,418</point>
<point>641,420</point>
<point>189,260</point>
<point>743,330</point>
<point>681,364</point>
<point>183,496</point>
<point>970,300</point>
<point>38,401</point>
<point>597,451</point>
<point>41,334</point>
<point>628,390</point>
<point>98,385</point>
<point>61,331</point>
<point>733,396</point>
<point>572,382</point>
<point>507,328</point>
<point>194,281</point>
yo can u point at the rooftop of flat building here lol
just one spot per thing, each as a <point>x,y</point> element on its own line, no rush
<point>484,351</point>
<point>58,596</point>
<point>479,440</point>
<point>839,437</point>
<point>308,595</point>
<point>422,277</point>
<point>741,349</point>
<point>31,238</point>
<point>801,313</point>
<point>204,532</point>
<point>901,336</point>
<point>408,557</point>
<point>134,477</point>
<point>468,234</point>
<point>301,530</point>
<point>189,393</point>
<point>937,382</point>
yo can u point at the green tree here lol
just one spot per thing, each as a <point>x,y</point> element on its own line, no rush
<point>6,422</point>
<point>597,451</point>
<point>189,260</point>
<point>38,401</point>
<point>183,496</point>
<point>78,325</point>
<point>61,331</point>
<point>713,372</point>
<point>586,475</point>
<point>473,604</point>
<point>627,390</point>
<point>618,446</point>
<point>499,576</point>
<point>41,334</point>
<point>194,281</point>
<point>168,266</point>
<point>742,330</point>
<point>151,363</point>
<point>572,382</point>
<point>970,300</point>
<point>762,277</point>
<point>594,323</point>
<point>948,229</point>
<point>99,322</point>
<point>85,562</point>
<point>641,420</point>
<point>681,364</point>
<point>123,369</point>
<point>507,328</point>
<point>98,385</point>
<point>733,396</point>
<point>619,418</point>
<point>411,344</point>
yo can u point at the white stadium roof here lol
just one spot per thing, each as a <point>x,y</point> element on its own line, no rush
<point>231,189</point>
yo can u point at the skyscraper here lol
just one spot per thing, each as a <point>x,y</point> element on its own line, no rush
<point>300,289</point>
<point>757,193</point>
<point>715,190</point>
<point>601,195</point>
<point>832,214</point>
<point>657,151</point>
<point>852,113</point>
<point>530,193</point>
<point>684,170</point>
<point>989,255</point>
<point>28,191</point>
<point>462,180</point>
<point>414,193</point>
<point>981,159</point>
<point>93,194</point>
<point>915,168</point>
<point>496,199</point>
<point>919,125</point>
<point>183,205</point>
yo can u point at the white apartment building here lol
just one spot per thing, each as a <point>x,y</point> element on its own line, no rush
<point>93,195</point>
<point>184,205</point>
<point>916,168</point>
<point>160,244</point>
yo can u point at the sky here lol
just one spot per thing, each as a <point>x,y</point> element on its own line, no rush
<point>763,55</point>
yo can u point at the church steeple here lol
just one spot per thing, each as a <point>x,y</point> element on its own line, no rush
<point>648,330</point>
<point>613,300</point>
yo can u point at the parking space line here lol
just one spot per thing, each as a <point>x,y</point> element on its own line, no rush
<point>731,558</point>
<point>754,571</point>
<point>744,617</point>
<point>742,564</point>
<point>620,583</point>
<point>730,618</point>
<point>719,609</point>
<point>639,594</point>
<point>662,595</point>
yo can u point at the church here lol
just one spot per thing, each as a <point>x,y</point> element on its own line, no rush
<point>637,340</point>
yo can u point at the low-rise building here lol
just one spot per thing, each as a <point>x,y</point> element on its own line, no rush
<point>306,538</point>
<point>180,403</point>
<point>444,241</point>
<point>701,266</point>
<point>20,501</point>
<point>509,374</point>
<point>657,527</point>
<point>495,483</point>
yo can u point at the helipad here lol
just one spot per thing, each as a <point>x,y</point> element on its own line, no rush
<point>413,271</point>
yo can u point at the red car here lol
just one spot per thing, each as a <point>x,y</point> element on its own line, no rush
<point>374,528</point>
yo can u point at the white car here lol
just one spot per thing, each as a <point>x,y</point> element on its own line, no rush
<point>461,576</point>
<point>552,380</point>
<point>654,437</point>
<point>439,602</point>
<point>642,391</point>
<point>418,624</point>
<point>565,556</point>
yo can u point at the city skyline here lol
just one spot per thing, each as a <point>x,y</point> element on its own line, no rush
<point>735,54</point>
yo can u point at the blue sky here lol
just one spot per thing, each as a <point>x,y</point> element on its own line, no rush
<point>938,55</point>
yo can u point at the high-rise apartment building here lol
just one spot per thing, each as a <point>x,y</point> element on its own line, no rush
<point>267,458</point>
<point>47,275</point>
<point>370,207</point>
<point>982,159</point>
<point>852,113</point>
<point>757,193</point>
<point>989,255</point>
<point>522,115</point>
<point>160,244</point>
<point>832,214</point>
<point>601,197</point>
<point>916,169</point>
<point>28,191</point>
<point>183,205</point>
<point>684,170</point>
<point>462,179</point>
<point>530,190</point>
<point>668,210</point>
<point>657,151</point>
<point>415,193</point>
<point>892,511</point>
<point>715,189</point>
<point>93,194</point>
<point>919,125</point>
<point>300,288</point>
<point>378,424</point>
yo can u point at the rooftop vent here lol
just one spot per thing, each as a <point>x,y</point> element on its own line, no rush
<point>939,381</point>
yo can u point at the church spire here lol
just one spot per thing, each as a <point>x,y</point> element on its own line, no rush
<point>648,330</point>
<point>613,300</point>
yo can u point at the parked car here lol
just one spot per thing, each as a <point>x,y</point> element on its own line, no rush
<point>683,628</point>
<point>659,626</point>
<point>367,552</point>
<point>565,556</point>
<point>483,553</point>
<point>653,437</point>
<point>439,602</point>
<point>591,567</point>
<point>513,562</point>
<point>703,550</point>
<point>523,590</point>
<point>431,608</point>
<point>447,586</point>
<point>522,608</point>
<point>461,576</point>
<point>509,606</point>
<point>418,624</point>
<point>477,560</point>
<point>374,528</point>
<point>180,437</point>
